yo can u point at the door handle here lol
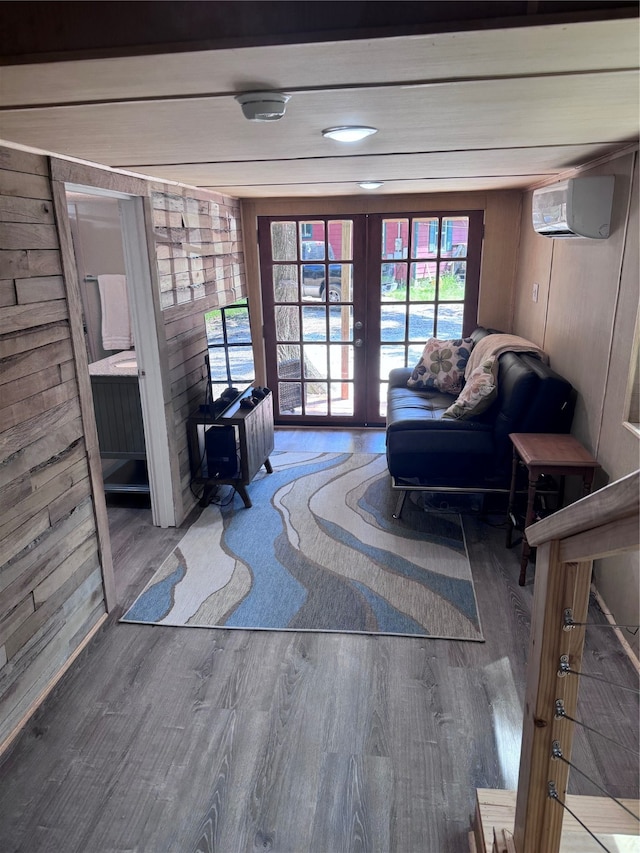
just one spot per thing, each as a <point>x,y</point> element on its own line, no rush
<point>359,324</point>
<point>358,342</point>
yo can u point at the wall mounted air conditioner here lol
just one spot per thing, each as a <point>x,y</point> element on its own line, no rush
<point>579,207</point>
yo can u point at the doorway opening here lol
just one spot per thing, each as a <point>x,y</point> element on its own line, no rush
<point>109,241</point>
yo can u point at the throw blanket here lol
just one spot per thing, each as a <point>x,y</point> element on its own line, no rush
<point>495,345</point>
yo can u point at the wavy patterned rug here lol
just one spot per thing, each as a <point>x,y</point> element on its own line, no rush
<point>318,551</point>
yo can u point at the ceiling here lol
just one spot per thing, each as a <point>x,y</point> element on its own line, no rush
<point>469,107</point>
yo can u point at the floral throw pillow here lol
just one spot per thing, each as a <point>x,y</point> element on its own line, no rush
<point>441,366</point>
<point>479,392</point>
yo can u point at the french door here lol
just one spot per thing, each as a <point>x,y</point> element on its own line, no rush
<point>347,299</point>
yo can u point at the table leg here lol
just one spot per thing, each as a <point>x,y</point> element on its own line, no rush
<point>208,493</point>
<point>587,481</point>
<point>244,494</point>
<point>526,550</point>
<point>268,466</point>
<point>512,498</point>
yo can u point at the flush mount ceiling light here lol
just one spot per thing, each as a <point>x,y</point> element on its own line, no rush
<point>370,185</point>
<point>349,133</point>
<point>263,106</point>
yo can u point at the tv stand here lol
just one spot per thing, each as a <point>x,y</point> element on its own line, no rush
<point>246,433</point>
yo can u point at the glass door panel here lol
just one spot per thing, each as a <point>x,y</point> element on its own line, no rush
<point>434,293</point>
<point>309,313</point>
<point>339,316</point>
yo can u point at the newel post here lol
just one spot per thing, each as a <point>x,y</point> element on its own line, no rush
<point>558,586</point>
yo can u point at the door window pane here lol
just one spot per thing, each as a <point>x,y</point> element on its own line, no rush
<point>285,283</point>
<point>421,322</point>
<point>450,322</point>
<point>341,400</point>
<point>340,283</point>
<point>312,241</point>
<point>425,238</point>
<point>392,322</point>
<point>283,241</point>
<point>393,281</point>
<point>341,362</point>
<point>414,354</point>
<point>316,399</point>
<point>423,282</point>
<point>313,278</point>
<point>287,323</point>
<point>455,237</point>
<point>395,239</point>
<point>451,285</point>
<point>314,325</point>
<point>384,387</point>
<point>289,362</point>
<point>390,357</point>
<point>315,361</point>
<point>341,323</point>
<point>340,239</point>
<point>290,398</point>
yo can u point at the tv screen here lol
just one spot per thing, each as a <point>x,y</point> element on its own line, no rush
<point>230,349</point>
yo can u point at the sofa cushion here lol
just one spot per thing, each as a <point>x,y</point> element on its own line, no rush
<point>478,393</point>
<point>441,366</point>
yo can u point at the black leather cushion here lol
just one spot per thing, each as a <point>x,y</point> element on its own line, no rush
<point>552,408</point>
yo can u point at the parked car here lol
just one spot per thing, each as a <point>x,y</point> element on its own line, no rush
<point>313,275</point>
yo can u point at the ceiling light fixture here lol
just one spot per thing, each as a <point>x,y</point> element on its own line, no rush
<point>263,106</point>
<point>370,185</point>
<point>349,133</point>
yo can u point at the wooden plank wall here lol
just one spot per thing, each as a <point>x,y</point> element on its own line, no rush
<point>51,589</point>
<point>200,265</point>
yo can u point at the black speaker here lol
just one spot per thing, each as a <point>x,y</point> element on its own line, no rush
<point>220,446</point>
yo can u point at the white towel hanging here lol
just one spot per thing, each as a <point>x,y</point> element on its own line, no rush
<point>116,323</point>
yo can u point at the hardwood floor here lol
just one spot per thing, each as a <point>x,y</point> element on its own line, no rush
<point>184,740</point>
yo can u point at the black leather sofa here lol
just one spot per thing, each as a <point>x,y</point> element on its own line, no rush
<point>432,453</point>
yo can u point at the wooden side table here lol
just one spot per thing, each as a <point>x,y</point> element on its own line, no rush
<point>545,453</point>
<point>253,440</point>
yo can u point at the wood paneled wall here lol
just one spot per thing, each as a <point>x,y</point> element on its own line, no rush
<point>55,560</point>
<point>200,265</point>
<point>584,318</point>
<point>51,586</point>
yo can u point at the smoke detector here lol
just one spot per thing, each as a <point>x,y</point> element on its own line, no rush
<point>263,106</point>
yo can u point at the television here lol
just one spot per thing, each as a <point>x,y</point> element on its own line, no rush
<point>230,350</point>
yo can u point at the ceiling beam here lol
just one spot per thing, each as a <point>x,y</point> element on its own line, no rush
<point>60,31</point>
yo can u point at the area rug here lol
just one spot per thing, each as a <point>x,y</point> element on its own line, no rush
<point>318,551</point>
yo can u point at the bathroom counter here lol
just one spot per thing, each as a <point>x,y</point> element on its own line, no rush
<point>120,364</point>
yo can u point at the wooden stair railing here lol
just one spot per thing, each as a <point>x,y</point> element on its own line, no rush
<point>599,525</point>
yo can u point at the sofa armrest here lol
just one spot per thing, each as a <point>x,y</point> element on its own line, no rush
<point>399,376</point>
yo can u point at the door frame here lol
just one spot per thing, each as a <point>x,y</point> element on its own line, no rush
<point>358,301</point>
<point>143,322</point>
<point>366,258</point>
